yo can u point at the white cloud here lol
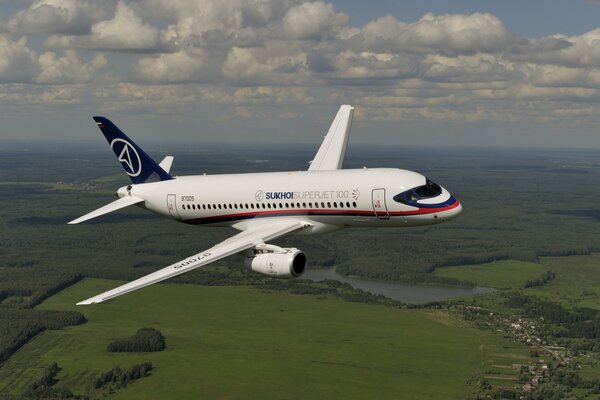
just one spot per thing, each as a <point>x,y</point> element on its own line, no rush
<point>578,51</point>
<point>18,63</point>
<point>313,20</point>
<point>171,67</point>
<point>216,23</point>
<point>71,69</point>
<point>444,34</point>
<point>277,63</point>
<point>59,16</point>
<point>125,31</point>
<point>475,68</point>
<point>350,66</point>
<point>180,54</point>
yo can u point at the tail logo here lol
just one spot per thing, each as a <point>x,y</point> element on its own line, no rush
<point>128,156</point>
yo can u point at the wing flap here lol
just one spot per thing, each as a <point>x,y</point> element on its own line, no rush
<point>114,206</point>
<point>242,241</point>
<point>333,149</point>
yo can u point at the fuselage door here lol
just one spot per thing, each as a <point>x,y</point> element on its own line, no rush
<point>172,206</point>
<point>379,205</point>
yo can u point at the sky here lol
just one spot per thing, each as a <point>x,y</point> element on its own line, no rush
<point>482,73</point>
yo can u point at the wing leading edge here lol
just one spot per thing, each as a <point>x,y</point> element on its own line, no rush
<point>333,149</point>
<point>242,241</point>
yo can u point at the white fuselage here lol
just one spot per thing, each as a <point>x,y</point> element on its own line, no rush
<point>329,200</point>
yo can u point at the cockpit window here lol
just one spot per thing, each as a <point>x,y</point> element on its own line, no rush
<point>427,191</point>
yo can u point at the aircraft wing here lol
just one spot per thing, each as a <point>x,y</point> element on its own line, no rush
<point>333,149</point>
<point>254,235</point>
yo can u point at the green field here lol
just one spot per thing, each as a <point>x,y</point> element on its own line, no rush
<point>577,282</point>
<point>239,342</point>
<point>498,274</point>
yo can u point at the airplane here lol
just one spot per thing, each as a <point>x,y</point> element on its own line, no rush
<point>268,205</point>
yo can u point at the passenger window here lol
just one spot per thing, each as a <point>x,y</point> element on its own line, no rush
<point>354,204</point>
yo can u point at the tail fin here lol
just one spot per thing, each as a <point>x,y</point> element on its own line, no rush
<point>137,164</point>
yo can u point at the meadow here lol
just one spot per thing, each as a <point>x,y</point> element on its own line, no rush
<point>576,282</point>
<point>240,342</point>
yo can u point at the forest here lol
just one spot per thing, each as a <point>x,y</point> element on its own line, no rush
<point>512,210</point>
<point>144,340</point>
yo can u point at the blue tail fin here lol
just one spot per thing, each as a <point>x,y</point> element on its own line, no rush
<point>138,165</point>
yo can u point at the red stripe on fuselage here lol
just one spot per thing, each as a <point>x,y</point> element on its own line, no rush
<point>422,211</point>
<point>319,211</point>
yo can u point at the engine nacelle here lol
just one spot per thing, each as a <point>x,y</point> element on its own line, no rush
<point>290,263</point>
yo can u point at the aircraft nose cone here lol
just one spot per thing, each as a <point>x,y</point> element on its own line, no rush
<point>456,210</point>
<point>459,208</point>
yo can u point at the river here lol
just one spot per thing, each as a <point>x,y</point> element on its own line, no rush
<point>412,294</point>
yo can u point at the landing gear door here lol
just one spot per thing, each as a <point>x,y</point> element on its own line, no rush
<point>379,206</point>
<point>172,206</point>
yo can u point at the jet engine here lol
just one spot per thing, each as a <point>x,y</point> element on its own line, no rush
<point>277,262</point>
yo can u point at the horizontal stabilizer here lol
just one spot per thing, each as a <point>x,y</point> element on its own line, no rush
<point>114,206</point>
<point>166,163</point>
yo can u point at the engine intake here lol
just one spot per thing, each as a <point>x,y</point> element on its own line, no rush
<point>288,263</point>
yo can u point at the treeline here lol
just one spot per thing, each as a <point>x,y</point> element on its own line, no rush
<point>44,388</point>
<point>327,287</point>
<point>547,277</point>
<point>408,278</point>
<point>580,322</point>
<point>33,286</point>
<point>20,291</point>
<point>118,378</point>
<point>144,340</point>
<point>17,327</point>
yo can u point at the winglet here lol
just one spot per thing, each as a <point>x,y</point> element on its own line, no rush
<point>333,149</point>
